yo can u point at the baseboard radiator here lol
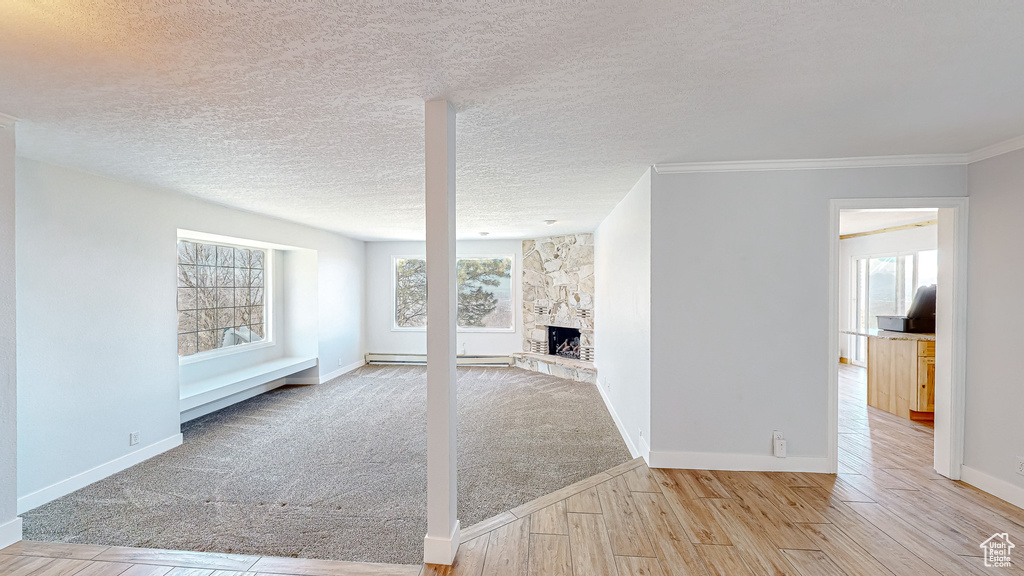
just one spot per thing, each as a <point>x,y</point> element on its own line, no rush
<point>377,358</point>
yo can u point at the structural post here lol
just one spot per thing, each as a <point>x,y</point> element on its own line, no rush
<point>10,524</point>
<point>442,540</point>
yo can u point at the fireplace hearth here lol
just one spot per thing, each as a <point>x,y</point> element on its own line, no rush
<point>564,342</point>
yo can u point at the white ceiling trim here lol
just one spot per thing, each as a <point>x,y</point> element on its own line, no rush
<point>813,163</point>
<point>834,163</point>
<point>6,120</point>
<point>996,150</point>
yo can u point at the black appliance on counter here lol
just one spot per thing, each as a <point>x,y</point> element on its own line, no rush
<point>921,317</point>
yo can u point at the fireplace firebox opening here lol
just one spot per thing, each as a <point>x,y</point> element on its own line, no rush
<point>564,342</point>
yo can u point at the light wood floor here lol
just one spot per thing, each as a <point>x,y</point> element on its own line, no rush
<point>886,512</point>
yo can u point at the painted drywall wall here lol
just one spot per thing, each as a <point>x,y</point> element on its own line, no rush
<point>622,270</point>
<point>381,337</point>
<point>10,530</point>
<point>889,243</point>
<point>740,299</point>
<point>97,319</point>
<point>994,429</point>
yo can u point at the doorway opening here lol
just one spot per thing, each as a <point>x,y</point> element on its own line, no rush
<point>897,332</point>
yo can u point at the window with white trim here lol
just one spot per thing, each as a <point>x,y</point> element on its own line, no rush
<point>221,296</point>
<point>484,286</point>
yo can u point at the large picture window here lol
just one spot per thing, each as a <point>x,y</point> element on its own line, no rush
<point>484,287</point>
<point>221,296</point>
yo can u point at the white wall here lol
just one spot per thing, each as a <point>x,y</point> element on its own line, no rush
<point>994,429</point>
<point>96,312</point>
<point>622,270</point>
<point>739,297</point>
<point>10,526</point>
<point>901,241</point>
<point>382,338</point>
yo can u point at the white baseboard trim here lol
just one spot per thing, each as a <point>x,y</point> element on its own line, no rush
<point>633,452</point>
<point>78,481</point>
<point>645,449</point>
<point>999,488</point>
<point>441,550</point>
<point>341,371</point>
<point>10,532</point>
<point>740,462</point>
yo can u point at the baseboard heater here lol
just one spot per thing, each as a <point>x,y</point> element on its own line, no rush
<point>422,359</point>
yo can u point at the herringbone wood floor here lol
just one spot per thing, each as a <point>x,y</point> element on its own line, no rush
<point>886,512</point>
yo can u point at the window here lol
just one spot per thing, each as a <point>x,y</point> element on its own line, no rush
<point>221,296</point>
<point>484,287</point>
<point>886,286</point>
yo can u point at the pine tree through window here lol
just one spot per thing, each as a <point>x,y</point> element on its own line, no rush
<point>484,293</point>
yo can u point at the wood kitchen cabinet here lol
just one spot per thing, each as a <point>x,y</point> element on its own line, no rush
<point>901,374</point>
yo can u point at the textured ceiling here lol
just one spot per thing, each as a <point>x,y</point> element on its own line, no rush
<point>313,111</point>
<point>856,221</point>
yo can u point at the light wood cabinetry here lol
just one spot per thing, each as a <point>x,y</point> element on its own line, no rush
<point>901,376</point>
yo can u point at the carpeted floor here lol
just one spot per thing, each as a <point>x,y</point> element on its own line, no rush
<point>338,470</point>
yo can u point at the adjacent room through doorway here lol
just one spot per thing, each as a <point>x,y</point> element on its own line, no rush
<point>894,290</point>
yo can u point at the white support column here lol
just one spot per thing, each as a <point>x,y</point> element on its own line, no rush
<point>10,524</point>
<point>442,540</point>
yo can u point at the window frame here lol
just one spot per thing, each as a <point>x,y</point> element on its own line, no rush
<point>269,265</point>
<point>474,256</point>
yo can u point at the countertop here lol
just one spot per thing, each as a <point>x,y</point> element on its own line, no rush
<point>891,335</point>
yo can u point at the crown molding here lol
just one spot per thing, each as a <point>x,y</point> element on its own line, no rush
<point>814,163</point>
<point>996,149</point>
<point>834,163</point>
<point>6,120</point>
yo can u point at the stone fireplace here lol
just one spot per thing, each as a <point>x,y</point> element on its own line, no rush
<point>558,304</point>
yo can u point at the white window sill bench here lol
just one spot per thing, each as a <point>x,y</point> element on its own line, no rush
<point>211,394</point>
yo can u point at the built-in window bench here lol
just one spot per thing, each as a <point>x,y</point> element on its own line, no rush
<point>205,396</point>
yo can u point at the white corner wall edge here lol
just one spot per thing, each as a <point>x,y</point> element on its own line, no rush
<point>999,488</point>
<point>339,372</point>
<point>738,462</point>
<point>10,532</point>
<point>442,550</point>
<point>78,481</point>
<point>633,452</point>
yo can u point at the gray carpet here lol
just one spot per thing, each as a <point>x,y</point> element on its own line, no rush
<point>338,470</point>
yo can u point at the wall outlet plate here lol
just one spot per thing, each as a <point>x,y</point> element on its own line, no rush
<point>1020,465</point>
<point>133,438</point>
<point>779,447</point>
<point>776,435</point>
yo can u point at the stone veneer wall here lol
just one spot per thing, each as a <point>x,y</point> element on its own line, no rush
<point>558,289</point>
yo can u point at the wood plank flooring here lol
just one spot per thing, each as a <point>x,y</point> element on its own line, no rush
<point>886,512</point>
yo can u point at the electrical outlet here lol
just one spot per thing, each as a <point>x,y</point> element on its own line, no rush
<point>641,430</point>
<point>778,444</point>
<point>133,438</point>
<point>339,362</point>
<point>1020,465</point>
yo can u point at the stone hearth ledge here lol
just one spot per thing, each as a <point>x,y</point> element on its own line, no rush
<point>557,366</point>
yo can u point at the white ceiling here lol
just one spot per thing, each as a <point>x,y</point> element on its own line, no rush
<point>313,111</point>
<point>856,221</point>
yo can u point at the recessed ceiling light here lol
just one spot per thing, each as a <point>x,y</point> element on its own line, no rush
<point>484,233</point>
<point>550,222</point>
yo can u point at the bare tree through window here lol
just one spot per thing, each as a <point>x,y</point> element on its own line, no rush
<point>221,299</point>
